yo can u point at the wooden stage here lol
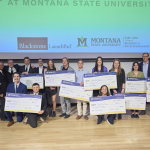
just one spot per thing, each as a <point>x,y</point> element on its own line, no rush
<point>72,134</point>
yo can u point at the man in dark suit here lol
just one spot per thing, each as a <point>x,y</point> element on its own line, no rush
<point>27,68</point>
<point>16,87</point>
<point>3,86</point>
<point>10,69</point>
<point>41,68</point>
<point>145,68</point>
<point>31,118</point>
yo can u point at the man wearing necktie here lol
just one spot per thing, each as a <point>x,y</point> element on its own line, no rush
<point>3,86</point>
<point>10,69</point>
<point>31,118</point>
<point>15,87</point>
<point>27,68</point>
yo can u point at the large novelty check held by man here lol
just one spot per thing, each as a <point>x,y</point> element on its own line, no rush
<point>74,90</point>
<point>54,78</point>
<point>135,85</point>
<point>29,79</point>
<point>94,81</point>
<point>23,102</point>
<point>135,101</point>
<point>107,105</point>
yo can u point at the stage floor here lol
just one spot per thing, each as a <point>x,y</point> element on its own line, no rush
<point>72,134</point>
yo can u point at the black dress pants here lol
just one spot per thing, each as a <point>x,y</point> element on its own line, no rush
<point>2,99</point>
<point>32,118</point>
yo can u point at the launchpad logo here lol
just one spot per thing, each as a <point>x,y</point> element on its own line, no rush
<point>82,42</point>
<point>32,43</point>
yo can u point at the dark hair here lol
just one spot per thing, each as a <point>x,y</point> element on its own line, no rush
<point>26,58</point>
<point>66,58</point>
<point>48,67</point>
<point>80,60</point>
<point>145,53</point>
<point>10,59</point>
<point>134,64</point>
<point>16,73</point>
<point>34,84</point>
<point>40,59</point>
<point>96,65</point>
<point>100,93</point>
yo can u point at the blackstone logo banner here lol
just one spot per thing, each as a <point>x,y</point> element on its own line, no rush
<point>32,43</point>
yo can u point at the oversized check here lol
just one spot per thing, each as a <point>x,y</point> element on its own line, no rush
<point>135,85</point>
<point>94,81</point>
<point>135,101</point>
<point>148,89</point>
<point>23,102</point>
<point>30,79</point>
<point>74,90</point>
<point>107,105</point>
<point>54,78</point>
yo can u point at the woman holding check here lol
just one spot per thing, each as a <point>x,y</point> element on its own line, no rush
<point>135,73</point>
<point>110,118</point>
<point>97,69</point>
<point>116,67</point>
<point>51,91</point>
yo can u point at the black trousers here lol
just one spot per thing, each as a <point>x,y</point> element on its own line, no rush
<point>32,118</point>
<point>134,110</point>
<point>2,99</point>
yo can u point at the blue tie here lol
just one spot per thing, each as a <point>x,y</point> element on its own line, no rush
<point>16,88</point>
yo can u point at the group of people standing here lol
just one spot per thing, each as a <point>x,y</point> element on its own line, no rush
<point>12,72</point>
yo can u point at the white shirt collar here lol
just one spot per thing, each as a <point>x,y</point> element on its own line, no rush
<point>81,70</point>
<point>9,70</point>
<point>146,63</point>
<point>36,93</point>
<point>27,66</point>
<point>40,70</point>
<point>17,84</point>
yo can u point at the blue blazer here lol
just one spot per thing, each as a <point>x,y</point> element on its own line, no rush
<point>22,89</point>
<point>141,68</point>
<point>37,69</point>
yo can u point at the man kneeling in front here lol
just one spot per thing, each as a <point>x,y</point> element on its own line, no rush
<point>31,118</point>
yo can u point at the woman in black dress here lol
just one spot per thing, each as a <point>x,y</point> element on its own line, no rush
<point>116,67</point>
<point>51,92</point>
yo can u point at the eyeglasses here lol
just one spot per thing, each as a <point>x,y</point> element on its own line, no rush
<point>145,56</point>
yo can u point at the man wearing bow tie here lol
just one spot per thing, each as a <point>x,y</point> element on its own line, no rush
<point>15,87</point>
<point>3,86</point>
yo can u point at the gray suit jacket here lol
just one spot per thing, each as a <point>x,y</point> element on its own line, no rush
<point>69,68</point>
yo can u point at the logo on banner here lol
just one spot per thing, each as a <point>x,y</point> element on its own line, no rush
<point>82,42</point>
<point>32,43</point>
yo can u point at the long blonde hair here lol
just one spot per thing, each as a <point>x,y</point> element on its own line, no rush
<point>119,67</point>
